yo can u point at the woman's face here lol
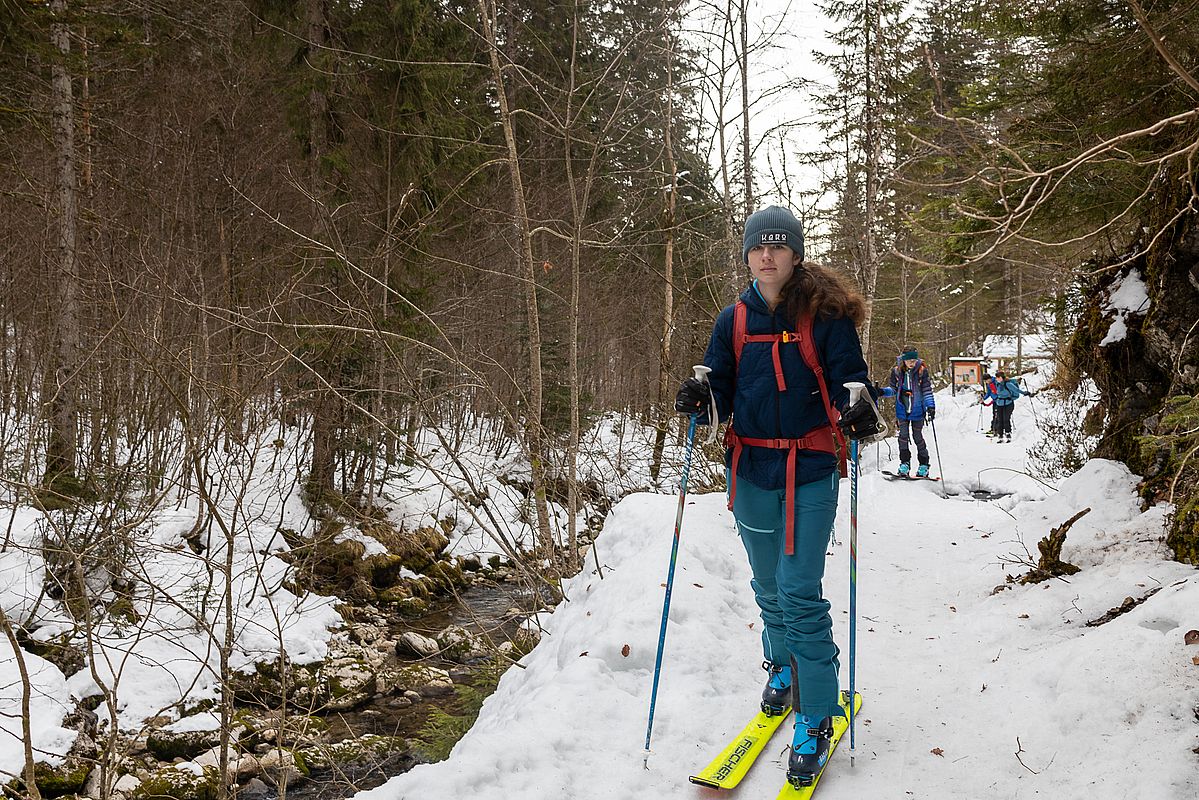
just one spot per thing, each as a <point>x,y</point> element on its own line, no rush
<point>909,362</point>
<point>772,264</point>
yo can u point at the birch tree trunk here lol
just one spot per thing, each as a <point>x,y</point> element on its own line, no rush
<point>61,456</point>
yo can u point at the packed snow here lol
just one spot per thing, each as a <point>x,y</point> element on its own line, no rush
<point>974,686</point>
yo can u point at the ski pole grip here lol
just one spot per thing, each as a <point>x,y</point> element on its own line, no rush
<point>701,374</point>
<point>855,391</point>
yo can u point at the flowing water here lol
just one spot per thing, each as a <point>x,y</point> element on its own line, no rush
<point>488,610</point>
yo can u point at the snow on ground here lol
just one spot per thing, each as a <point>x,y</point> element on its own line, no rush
<point>47,706</point>
<point>969,692</point>
<point>613,456</point>
<point>169,649</point>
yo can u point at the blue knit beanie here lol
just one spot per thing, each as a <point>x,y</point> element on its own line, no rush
<point>772,225</point>
<point>908,354</point>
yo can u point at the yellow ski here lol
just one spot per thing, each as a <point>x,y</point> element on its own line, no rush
<point>727,770</point>
<point>840,726</point>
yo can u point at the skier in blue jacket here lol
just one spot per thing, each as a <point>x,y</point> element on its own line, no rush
<point>781,462</point>
<point>1003,394</point>
<point>912,389</point>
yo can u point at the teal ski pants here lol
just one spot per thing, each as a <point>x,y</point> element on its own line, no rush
<point>788,588</point>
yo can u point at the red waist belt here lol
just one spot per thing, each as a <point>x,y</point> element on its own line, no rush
<point>820,440</point>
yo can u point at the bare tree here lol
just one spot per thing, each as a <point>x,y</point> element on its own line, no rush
<point>63,391</point>
<point>533,433</point>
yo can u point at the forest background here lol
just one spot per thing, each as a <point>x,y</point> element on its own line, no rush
<point>362,218</point>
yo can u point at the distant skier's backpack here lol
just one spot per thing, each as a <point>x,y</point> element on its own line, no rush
<point>824,440</point>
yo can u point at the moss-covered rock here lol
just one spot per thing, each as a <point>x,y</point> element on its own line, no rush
<point>168,745</point>
<point>170,783</point>
<point>1183,536</point>
<point>370,747</point>
<point>446,574</point>
<point>411,607</point>
<point>271,680</point>
<point>416,548</point>
<point>459,644</point>
<point>67,778</point>
<point>58,650</point>
<point>289,730</point>
<point>385,569</point>
<point>282,766</point>
<point>422,679</point>
<point>351,682</point>
<point>189,707</point>
<point>394,594</point>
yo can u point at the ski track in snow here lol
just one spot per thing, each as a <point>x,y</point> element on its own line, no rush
<point>1019,697</point>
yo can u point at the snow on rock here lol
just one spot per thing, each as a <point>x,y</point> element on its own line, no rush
<point>1127,295</point>
<point>204,721</point>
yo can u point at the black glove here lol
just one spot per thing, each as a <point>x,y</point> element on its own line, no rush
<point>694,397</point>
<point>930,414</point>
<point>861,420</point>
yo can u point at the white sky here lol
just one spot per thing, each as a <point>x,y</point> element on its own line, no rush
<point>802,30</point>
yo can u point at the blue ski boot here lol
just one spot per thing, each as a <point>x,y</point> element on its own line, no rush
<point>809,751</point>
<point>904,469</point>
<point>922,471</point>
<point>776,697</point>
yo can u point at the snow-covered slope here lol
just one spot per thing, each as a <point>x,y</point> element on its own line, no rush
<point>969,692</point>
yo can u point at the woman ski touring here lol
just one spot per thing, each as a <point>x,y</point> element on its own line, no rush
<point>1003,393</point>
<point>910,385</point>
<point>782,462</point>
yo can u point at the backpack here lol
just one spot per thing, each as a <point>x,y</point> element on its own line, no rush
<point>825,440</point>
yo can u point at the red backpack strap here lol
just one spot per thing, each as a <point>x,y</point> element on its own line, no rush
<point>741,335</point>
<point>738,346</point>
<point>738,331</point>
<point>807,347</point>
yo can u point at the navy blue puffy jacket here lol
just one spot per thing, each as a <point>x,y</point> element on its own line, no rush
<point>761,411</point>
<point>912,390</point>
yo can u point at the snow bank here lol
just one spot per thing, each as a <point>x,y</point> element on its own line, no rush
<point>49,702</point>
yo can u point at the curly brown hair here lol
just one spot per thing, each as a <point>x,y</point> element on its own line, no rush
<point>822,293</point>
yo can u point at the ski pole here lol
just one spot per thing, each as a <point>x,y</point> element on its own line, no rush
<point>940,466</point>
<point>855,391</point>
<point>701,373</point>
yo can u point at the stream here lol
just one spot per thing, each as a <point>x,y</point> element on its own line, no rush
<point>485,609</point>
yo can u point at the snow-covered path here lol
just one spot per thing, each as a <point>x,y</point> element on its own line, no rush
<point>968,693</point>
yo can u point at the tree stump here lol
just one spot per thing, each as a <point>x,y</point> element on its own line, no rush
<point>1051,564</point>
